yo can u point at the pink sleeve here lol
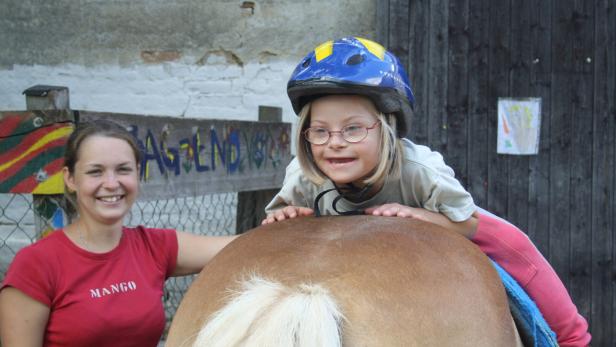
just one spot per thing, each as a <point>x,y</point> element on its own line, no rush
<point>513,250</point>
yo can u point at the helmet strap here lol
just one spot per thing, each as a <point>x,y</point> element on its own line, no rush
<point>349,192</point>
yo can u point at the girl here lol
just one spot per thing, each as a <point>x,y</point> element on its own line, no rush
<point>97,282</point>
<point>353,99</point>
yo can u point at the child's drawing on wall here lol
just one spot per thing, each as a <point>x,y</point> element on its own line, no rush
<point>519,121</point>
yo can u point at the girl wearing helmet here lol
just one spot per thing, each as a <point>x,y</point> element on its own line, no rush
<point>354,103</point>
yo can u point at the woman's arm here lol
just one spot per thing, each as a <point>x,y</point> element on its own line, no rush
<point>194,251</point>
<point>22,319</point>
<point>466,228</point>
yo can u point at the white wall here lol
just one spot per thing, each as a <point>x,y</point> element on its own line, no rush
<point>170,89</point>
<point>186,58</point>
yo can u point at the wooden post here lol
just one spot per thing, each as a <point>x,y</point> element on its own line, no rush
<point>49,213</point>
<point>251,204</point>
<point>42,97</point>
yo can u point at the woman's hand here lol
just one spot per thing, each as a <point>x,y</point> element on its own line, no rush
<point>287,213</point>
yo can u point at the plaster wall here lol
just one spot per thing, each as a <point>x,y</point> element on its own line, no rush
<point>184,58</point>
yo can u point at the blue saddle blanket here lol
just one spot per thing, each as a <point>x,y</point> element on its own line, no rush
<point>534,330</point>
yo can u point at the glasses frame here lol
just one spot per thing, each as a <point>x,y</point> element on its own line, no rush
<point>341,132</point>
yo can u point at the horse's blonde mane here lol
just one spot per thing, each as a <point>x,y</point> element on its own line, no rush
<point>267,313</point>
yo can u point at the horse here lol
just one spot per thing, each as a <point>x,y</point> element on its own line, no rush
<point>346,281</point>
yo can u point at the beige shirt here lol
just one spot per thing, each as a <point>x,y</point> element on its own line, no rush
<point>426,182</point>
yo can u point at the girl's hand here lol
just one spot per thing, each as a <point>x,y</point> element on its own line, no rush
<point>466,228</point>
<point>397,210</point>
<point>287,213</point>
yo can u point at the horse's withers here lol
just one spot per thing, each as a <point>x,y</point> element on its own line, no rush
<point>397,281</point>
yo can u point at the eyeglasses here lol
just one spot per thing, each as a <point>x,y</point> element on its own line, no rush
<point>350,133</point>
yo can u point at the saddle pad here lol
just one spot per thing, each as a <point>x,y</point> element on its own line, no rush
<point>534,330</point>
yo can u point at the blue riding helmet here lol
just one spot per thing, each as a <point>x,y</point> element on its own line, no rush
<point>354,65</point>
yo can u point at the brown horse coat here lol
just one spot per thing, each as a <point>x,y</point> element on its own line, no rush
<point>397,281</point>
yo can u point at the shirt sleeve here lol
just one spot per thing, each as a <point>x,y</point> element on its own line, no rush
<point>163,245</point>
<point>294,191</point>
<point>435,185</point>
<point>31,274</point>
<point>449,198</point>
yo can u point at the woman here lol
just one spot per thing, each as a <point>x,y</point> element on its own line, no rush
<point>97,282</point>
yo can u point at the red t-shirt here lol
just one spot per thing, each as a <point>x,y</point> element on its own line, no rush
<point>109,299</point>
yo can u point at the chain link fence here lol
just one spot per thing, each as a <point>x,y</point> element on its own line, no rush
<point>211,214</point>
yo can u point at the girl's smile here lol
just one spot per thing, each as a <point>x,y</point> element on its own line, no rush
<point>340,161</point>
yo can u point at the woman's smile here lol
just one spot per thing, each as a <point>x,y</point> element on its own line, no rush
<point>110,199</point>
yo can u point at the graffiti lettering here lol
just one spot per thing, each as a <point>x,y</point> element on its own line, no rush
<point>223,151</point>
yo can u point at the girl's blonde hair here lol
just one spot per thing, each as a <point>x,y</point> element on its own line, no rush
<point>390,162</point>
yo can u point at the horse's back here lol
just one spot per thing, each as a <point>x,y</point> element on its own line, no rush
<point>398,282</point>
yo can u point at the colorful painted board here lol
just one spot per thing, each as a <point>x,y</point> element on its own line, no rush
<point>188,157</point>
<point>180,156</point>
<point>31,151</point>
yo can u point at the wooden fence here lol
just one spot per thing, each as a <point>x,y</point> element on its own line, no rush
<point>204,176</point>
<point>181,157</point>
<point>463,55</point>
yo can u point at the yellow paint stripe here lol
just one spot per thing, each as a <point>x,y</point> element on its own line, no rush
<point>324,50</point>
<point>52,136</point>
<point>170,155</point>
<point>148,145</point>
<point>52,185</point>
<point>373,47</point>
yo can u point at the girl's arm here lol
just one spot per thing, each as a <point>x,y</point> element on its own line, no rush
<point>22,319</point>
<point>466,228</point>
<point>194,251</point>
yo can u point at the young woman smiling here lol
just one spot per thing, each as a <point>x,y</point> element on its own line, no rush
<point>97,282</point>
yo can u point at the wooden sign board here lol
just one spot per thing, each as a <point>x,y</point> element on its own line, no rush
<point>182,157</point>
<point>186,157</point>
